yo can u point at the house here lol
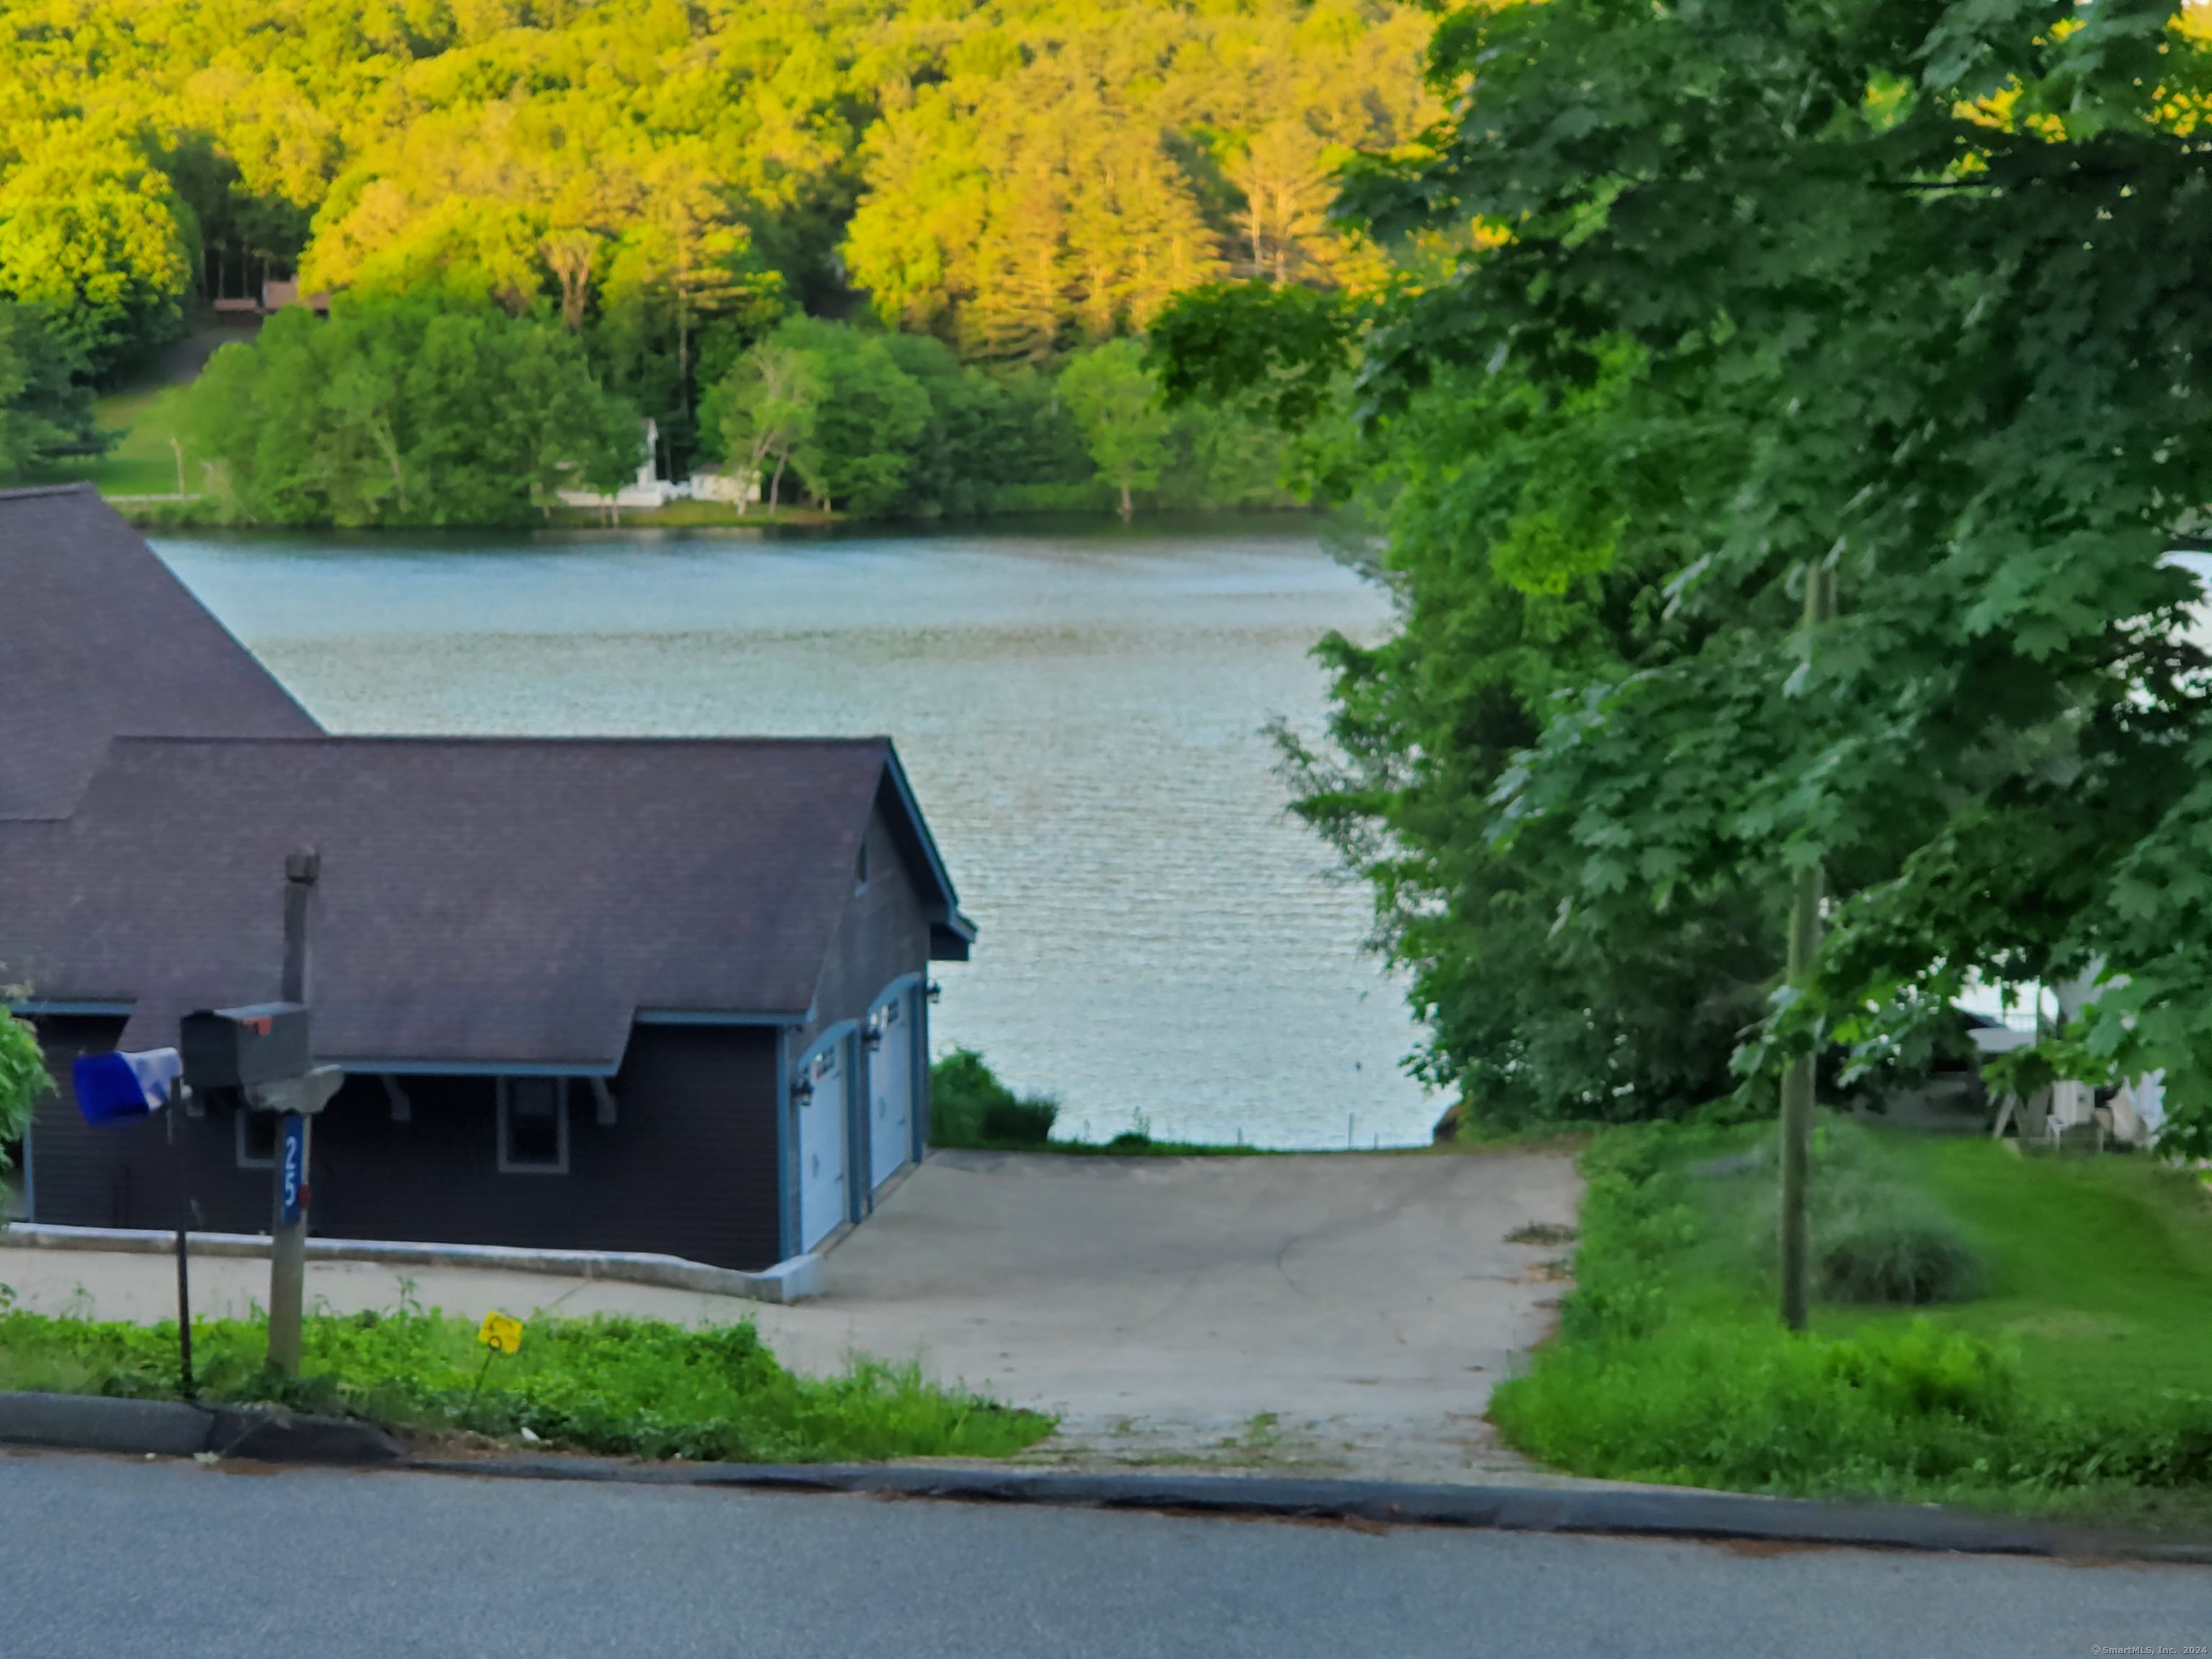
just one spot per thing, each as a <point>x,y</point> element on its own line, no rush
<point>654,995</point>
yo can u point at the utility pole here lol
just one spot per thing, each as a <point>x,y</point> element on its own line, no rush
<point>1797,1081</point>
<point>288,1246</point>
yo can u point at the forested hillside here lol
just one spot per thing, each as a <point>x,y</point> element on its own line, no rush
<point>668,182</point>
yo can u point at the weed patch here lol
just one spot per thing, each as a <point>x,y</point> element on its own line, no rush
<point>624,1386</point>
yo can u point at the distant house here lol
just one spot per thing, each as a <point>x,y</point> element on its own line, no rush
<point>649,489</point>
<point>279,292</point>
<point>615,995</point>
<point>737,487</point>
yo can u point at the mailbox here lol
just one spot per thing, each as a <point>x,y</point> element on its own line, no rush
<point>239,1048</point>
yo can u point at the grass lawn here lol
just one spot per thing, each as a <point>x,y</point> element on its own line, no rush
<point>141,416</point>
<point>140,461</point>
<point>2076,1377</point>
<point>626,1387</point>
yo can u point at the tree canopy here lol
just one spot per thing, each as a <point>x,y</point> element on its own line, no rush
<point>1018,179</point>
<point>46,412</point>
<point>1907,293</point>
<point>1117,403</point>
<point>426,411</point>
<point>23,1079</point>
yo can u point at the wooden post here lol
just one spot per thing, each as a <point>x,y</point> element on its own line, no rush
<point>288,1243</point>
<point>1797,1082</point>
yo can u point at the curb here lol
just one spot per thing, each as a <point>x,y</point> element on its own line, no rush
<point>793,1280</point>
<point>170,1428</point>
<point>1614,1511</point>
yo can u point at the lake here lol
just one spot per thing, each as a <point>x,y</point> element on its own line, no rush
<point>1080,712</point>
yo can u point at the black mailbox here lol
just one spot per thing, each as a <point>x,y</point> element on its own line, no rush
<point>238,1047</point>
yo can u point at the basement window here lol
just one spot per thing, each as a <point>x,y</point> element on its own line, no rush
<point>533,1126</point>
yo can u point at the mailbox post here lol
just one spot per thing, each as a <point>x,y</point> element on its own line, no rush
<point>264,1052</point>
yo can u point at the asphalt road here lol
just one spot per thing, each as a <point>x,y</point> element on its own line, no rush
<point>111,1559</point>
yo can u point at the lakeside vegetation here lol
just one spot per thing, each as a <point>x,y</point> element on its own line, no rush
<point>854,250</point>
<point>970,1108</point>
<point>634,1387</point>
<point>2046,1346</point>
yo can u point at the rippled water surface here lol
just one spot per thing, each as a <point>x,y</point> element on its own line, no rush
<point>1080,712</point>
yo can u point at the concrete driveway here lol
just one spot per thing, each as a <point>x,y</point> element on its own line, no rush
<point>1333,1311</point>
<point>1337,1313</point>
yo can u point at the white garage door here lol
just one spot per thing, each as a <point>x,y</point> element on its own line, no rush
<point>822,1147</point>
<point>890,1091</point>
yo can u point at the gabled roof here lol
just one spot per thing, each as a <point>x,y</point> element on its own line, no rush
<point>98,638</point>
<point>482,900</point>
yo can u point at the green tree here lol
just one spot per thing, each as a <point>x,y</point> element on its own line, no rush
<point>859,444</point>
<point>23,1079</point>
<point>1904,295</point>
<point>993,436</point>
<point>1117,402</point>
<point>45,413</point>
<point>765,408</point>
<point>406,411</point>
<point>102,245</point>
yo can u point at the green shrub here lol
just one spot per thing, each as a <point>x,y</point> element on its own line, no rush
<point>625,1387</point>
<point>1027,1122</point>
<point>1877,1235</point>
<point>968,1106</point>
<point>1896,1259</point>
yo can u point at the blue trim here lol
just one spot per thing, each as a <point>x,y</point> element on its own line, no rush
<point>711,1017</point>
<point>473,1067</point>
<point>946,911</point>
<point>920,1062</point>
<point>823,1039</point>
<point>897,987</point>
<point>34,1008</point>
<point>786,1154</point>
<point>859,1191</point>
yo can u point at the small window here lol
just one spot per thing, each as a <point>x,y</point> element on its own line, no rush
<point>822,1077</point>
<point>256,1139</point>
<point>860,868</point>
<point>533,1126</point>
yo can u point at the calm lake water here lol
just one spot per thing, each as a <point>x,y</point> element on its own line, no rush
<point>1080,712</point>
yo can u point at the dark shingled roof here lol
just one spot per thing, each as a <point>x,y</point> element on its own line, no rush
<point>97,638</point>
<point>482,900</point>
